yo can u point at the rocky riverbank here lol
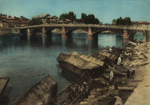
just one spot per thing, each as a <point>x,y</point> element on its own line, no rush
<point>8,31</point>
<point>134,57</point>
<point>141,95</point>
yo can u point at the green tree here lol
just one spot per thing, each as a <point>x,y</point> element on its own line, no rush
<point>120,21</point>
<point>83,16</point>
<point>35,21</point>
<point>90,19</point>
<point>114,21</point>
<point>71,16</point>
<point>125,21</point>
<point>96,21</point>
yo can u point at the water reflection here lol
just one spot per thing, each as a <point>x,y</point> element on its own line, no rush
<point>27,59</point>
<point>139,36</point>
<point>110,40</point>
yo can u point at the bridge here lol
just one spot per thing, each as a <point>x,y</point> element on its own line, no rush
<point>127,32</point>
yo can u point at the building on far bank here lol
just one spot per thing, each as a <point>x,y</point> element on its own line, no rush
<point>3,17</point>
<point>65,21</point>
<point>3,23</point>
<point>10,21</point>
<point>14,21</point>
<point>140,23</point>
<point>24,21</point>
<point>79,21</point>
<point>47,19</point>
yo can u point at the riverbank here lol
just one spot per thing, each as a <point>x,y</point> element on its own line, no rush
<point>7,31</point>
<point>134,57</point>
<point>141,95</point>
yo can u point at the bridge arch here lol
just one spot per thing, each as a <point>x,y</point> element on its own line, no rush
<point>120,32</point>
<point>49,30</point>
<point>69,31</point>
<point>34,31</point>
<point>139,35</point>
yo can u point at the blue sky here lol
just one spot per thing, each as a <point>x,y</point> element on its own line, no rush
<point>104,10</point>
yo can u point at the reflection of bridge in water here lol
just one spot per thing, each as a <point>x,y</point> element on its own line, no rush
<point>127,32</point>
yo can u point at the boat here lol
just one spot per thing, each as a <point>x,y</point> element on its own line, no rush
<point>3,84</point>
<point>75,92</point>
<point>79,63</point>
<point>39,94</point>
<point>109,58</point>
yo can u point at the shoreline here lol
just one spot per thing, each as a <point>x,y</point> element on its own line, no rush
<point>7,31</point>
<point>141,92</point>
<point>134,57</point>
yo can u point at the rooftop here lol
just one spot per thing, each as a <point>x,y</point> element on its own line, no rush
<point>79,20</point>
<point>10,18</point>
<point>3,17</point>
<point>142,22</point>
<point>67,20</point>
<point>41,15</point>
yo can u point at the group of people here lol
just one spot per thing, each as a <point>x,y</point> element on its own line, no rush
<point>130,74</point>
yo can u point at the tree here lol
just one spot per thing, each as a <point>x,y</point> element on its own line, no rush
<point>71,16</point>
<point>119,21</point>
<point>125,21</point>
<point>114,21</point>
<point>89,19</point>
<point>83,16</point>
<point>35,21</point>
<point>96,21</point>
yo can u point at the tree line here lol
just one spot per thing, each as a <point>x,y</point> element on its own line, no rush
<point>121,21</point>
<point>89,19</point>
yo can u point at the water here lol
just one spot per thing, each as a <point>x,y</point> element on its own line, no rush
<point>26,60</point>
<point>139,36</point>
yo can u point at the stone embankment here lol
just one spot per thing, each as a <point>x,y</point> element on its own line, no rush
<point>124,90</point>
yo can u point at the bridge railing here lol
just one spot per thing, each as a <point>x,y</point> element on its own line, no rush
<point>135,27</point>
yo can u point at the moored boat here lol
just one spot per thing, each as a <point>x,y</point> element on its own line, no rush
<point>39,94</point>
<point>75,92</point>
<point>79,63</point>
<point>3,84</point>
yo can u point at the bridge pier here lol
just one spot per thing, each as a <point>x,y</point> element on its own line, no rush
<point>28,31</point>
<point>43,30</point>
<point>64,33</point>
<point>18,30</point>
<point>90,34</point>
<point>147,35</point>
<point>125,36</point>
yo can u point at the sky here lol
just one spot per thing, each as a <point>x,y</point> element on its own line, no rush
<point>104,10</point>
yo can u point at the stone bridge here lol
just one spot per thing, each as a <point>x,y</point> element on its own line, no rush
<point>127,32</point>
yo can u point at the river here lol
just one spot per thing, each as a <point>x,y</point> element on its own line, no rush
<point>26,60</point>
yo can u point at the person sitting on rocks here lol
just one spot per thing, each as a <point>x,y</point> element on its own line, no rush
<point>128,73</point>
<point>119,61</point>
<point>110,50</point>
<point>111,77</point>
<point>132,73</point>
